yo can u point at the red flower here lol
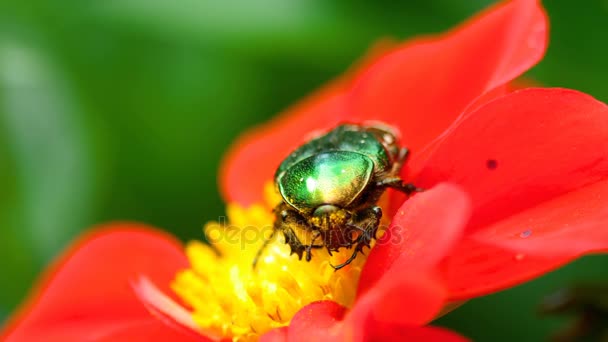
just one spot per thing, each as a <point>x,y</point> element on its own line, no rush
<point>527,175</point>
<point>92,293</point>
<point>534,161</point>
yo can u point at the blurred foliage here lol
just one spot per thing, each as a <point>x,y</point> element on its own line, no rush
<point>122,109</point>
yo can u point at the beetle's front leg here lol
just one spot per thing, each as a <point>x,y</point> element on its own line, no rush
<point>368,227</point>
<point>371,222</point>
<point>393,180</point>
<point>294,242</point>
<point>285,219</point>
<point>312,245</point>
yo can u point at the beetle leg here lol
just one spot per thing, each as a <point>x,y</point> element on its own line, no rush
<point>362,241</point>
<point>394,181</point>
<point>397,184</point>
<point>371,222</point>
<point>348,261</point>
<point>285,219</point>
<point>312,245</point>
<point>294,243</point>
<point>358,249</point>
<point>371,229</point>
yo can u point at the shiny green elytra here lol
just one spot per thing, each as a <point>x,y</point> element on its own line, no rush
<point>330,186</point>
<point>334,168</point>
<point>335,177</point>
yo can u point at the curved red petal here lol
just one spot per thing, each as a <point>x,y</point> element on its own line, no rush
<point>401,297</point>
<point>107,330</point>
<point>421,233</point>
<point>396,307</point>
<point>87,293</point>
<point>318,321</point>
<point>474,269</point>
<point>566,226</point>
<point>520,150</point>
<point>426,84</point>
<point>391,332</point>
<point>529,244</point>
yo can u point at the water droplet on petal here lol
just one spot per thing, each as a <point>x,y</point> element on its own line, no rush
<point>525,234</point>
<point>519,256</point>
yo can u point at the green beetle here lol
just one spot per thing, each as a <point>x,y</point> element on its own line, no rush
<point>330,187</point>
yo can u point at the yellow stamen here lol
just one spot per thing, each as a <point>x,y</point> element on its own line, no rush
<point>229,298</point>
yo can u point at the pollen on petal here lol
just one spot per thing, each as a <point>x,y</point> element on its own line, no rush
<point>228,297</point>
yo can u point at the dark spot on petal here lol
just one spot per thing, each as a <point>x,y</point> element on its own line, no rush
<point>491,164</point>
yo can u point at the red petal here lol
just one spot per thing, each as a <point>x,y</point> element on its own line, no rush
<point>319,321</point>
<point>426,84</point>
<point>520,150</point>
<point>394,308</point>
<point>566,227</point>
<point>421,233</point>
<point>474,269</point>
<point>530,243</point>
<point>402,297</point>
<point>534,163</point>
<point>119,329</point>
<point>390,332</point>
<point>87,294</point>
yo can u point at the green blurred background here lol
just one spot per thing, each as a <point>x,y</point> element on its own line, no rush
<point>122,109</point>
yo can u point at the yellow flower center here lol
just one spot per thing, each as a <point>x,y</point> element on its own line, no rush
<point>231,299</point>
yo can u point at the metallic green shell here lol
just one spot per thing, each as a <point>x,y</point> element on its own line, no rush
<point>335,177</point>
<point>347,137</point>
